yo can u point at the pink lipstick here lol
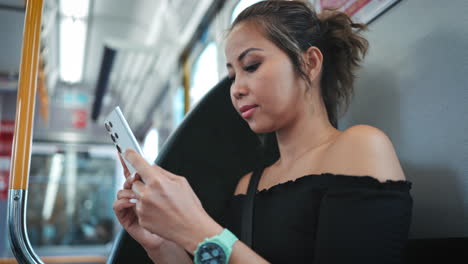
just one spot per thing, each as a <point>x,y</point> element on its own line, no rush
<point>247,110</point>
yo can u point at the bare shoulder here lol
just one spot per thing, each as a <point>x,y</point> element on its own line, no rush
<point>367,150</point>
<point>243,184</point>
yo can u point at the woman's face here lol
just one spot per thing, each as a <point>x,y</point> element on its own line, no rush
<point>266,90</point>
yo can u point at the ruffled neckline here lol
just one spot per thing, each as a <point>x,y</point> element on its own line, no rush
<point>336,180</point>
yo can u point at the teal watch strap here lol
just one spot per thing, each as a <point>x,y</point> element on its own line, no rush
<point>225,241</point>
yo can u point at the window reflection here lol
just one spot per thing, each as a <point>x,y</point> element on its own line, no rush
<point>71,191</point>
<point>205,73</point>
<point>151,145</point>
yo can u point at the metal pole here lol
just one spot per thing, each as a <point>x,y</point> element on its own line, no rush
<point>22,140</point>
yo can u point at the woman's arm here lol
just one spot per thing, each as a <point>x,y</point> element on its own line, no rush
<point>241,253</point>
<point>368,221</point>
<point>168,252</point>
<point>167,206</point>
<point>366,150</point>
<point>158,249</point>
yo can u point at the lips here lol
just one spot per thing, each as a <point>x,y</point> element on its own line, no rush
<point>247,110</point>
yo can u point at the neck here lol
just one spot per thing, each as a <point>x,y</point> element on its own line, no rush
<point>309,132</point>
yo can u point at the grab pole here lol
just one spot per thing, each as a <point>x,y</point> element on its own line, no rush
<point>22,139</point>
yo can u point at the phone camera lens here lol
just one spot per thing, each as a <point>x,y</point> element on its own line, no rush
<point>116,135</point>
<point>118,148</point>
<point>107,127</point>
<point>113,138</point>
<point>110,123</point>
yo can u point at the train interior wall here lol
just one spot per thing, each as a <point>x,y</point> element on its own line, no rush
<point>413,86</point>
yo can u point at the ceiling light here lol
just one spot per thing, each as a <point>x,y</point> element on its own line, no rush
<point>73,27</point>
<point>74,8</point>
<point>72,49</point>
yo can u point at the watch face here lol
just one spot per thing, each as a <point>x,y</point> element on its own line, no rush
<point>211,253</point>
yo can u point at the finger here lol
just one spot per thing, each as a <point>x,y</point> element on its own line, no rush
<point>126,171</point>
<point>130,180</point>
<point>138,187</point>
<point>120,205</point>
<point>164,172</point>
<point>140,164</point>
<point>125,194</point>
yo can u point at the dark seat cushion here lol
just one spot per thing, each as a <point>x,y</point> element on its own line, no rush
<point>440,250</point>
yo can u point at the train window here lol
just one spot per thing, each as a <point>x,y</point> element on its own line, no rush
<point>241,5</point>
<point>71,191</point>
<point>151,145</point>
<point>205,73</point>
<point>178,106</point>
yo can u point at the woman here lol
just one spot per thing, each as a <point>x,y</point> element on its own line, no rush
<point>291,72</point>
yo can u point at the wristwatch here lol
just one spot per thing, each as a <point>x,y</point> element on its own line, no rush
<point>215,250</point>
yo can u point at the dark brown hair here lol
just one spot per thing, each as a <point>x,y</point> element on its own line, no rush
<point>294,26</point>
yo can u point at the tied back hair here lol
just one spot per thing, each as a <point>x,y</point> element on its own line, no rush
<point>343,51</point>
<point>294,26</point>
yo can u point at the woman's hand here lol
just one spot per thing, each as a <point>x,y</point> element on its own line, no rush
<point>124,208</point>
<point>166,205</point>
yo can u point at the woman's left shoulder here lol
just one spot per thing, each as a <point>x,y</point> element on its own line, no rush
<point>365,134</point>
<point>370,151</point>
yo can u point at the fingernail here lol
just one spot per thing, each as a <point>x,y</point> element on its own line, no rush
<point>133,175</point>
<point>133,201</point>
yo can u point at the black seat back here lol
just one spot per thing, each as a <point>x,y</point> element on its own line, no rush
<point>436,250</point>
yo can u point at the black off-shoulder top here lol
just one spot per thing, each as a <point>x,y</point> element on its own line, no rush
<point>327,219</point>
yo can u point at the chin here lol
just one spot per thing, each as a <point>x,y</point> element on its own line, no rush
<point>258,128</point>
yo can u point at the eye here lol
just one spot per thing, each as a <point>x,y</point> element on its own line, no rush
<point>252,67</point>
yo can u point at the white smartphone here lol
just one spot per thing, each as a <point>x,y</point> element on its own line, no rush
<point>121,135</point>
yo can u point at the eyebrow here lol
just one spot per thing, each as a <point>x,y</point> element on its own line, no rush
<point>242,55</point>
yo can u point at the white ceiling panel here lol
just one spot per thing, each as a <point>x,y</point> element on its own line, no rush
<point>148,35</point>
<point>115,21</point>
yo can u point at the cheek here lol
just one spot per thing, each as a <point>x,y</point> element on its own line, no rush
<point>284,101</point>
<point>280,90</point>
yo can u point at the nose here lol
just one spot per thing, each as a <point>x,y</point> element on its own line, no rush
<point>238,89</point>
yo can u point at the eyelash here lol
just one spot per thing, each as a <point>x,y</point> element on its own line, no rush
<point>250,68</point>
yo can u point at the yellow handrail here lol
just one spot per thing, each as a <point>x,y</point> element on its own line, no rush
<point>21,151</point>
